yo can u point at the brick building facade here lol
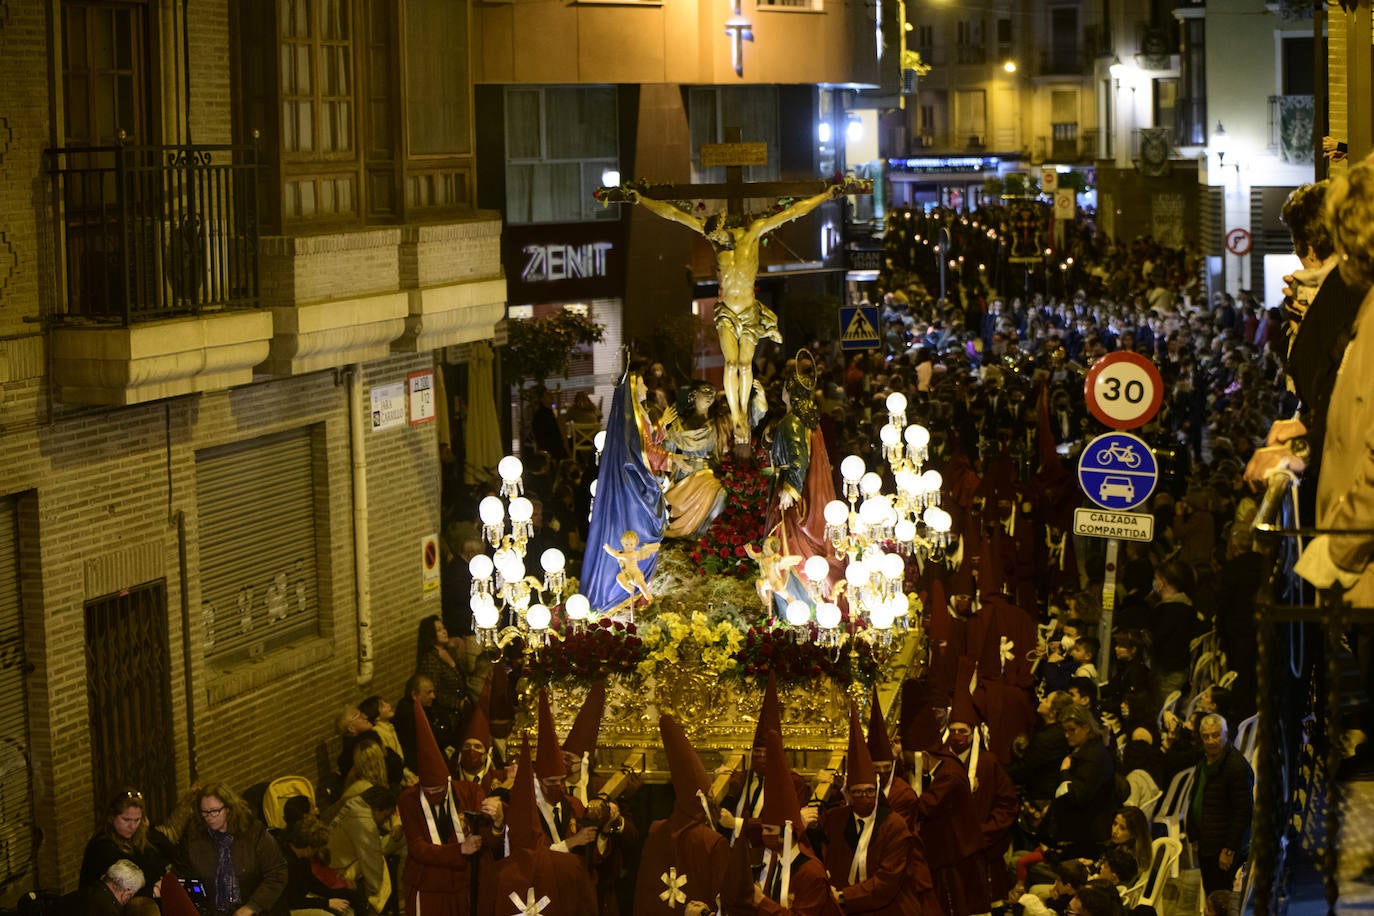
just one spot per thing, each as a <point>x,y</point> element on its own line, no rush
<point>108,425</point>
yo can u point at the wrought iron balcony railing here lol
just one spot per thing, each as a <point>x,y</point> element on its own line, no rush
<point>152,232</point>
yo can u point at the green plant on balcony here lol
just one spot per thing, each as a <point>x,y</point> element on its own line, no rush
<point>541,348</point>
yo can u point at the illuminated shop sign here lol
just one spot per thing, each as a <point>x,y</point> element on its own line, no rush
<point>566,262</point>
<point>931,165</point>
<point>547,263</point>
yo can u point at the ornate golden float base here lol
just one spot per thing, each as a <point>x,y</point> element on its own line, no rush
<point>719,714</point>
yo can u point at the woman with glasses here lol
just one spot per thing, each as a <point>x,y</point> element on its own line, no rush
<point>1084,803</point>
<point>126,834</point>
<point>232,854</point>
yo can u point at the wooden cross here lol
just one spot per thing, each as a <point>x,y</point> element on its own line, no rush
<point>735,154</point>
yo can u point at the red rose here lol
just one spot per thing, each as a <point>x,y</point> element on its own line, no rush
<point>724,552</point>
<point>740,552</point>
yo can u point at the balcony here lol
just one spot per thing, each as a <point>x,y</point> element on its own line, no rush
<point>171,290</point>
<point>1064,141</point>
<point>1064,62</point>
<point>154,232</point>
<point>160,260</point>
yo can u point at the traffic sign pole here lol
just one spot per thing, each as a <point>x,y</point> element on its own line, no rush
<point>1104,626</point>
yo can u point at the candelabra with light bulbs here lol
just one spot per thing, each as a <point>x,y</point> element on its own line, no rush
<point>506,601</point>
<point>862,525</point>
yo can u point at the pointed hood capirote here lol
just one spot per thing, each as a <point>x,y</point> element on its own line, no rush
<point>431,767</point>
<point>688,774</point>
<point>770,713</point>
<point>967,696</point>
<point>879,741</point>
<point>587,725</point>
<point>859,769</point>
<point>522,814</point>
<point>780,804</point>
<point>548,763</point>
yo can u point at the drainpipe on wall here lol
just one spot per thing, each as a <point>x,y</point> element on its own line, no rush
<point>361,567</point>
<point>188,669</point>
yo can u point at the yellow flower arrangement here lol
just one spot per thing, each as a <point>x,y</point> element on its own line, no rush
<point>670,638</point>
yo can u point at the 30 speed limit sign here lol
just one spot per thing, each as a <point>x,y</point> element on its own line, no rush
<point>1123,390</point>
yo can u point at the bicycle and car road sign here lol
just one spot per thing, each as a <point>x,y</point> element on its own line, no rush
<point>1118,471</point>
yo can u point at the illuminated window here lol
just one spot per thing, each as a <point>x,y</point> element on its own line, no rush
<point>560,140</point>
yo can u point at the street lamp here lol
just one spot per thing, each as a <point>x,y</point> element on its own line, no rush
<point>1220,143</point>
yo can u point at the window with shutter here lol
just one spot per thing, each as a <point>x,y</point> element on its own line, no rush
<point>258,504</point>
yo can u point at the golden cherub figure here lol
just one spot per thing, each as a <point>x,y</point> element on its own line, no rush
<point>631,577</point>
<point>774,566</point>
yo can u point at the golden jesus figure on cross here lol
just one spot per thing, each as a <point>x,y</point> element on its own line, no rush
<point>741,320</point>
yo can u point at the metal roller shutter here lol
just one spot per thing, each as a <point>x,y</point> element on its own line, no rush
<point>257,508</point>
<point>16,810</point>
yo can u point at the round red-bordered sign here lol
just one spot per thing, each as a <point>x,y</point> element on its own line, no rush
<point>1238,241</point>
<point>1123,390</point>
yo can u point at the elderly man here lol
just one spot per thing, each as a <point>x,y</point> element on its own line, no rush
<point>1221,806</point>
<point>121,881</point>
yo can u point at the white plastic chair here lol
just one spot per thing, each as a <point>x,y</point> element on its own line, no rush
<point>1169,705</point>
<point>1227,679</point>
<point>1133,893</point>
<point>1151,804</point>
<point>1173,808</point>
<point>1247,734</point>
<point>1163,866</point>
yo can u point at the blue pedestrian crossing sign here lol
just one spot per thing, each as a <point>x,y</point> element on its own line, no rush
<point>859,328</point>
<point>1118,471</point>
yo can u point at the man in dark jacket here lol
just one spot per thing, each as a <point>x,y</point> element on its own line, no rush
<point>1173,626</point>
<point>1221,807</point>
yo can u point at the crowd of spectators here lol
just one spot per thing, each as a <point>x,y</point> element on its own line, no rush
<point>1133,746</point>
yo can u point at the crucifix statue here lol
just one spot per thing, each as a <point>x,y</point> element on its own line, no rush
<point>741,320</point>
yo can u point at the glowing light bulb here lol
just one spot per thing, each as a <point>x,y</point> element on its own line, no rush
<point>491,511</point>
<point>852,468</point>
<point>480,566</point>
<point>577,607</point>
<point>538,617</point>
